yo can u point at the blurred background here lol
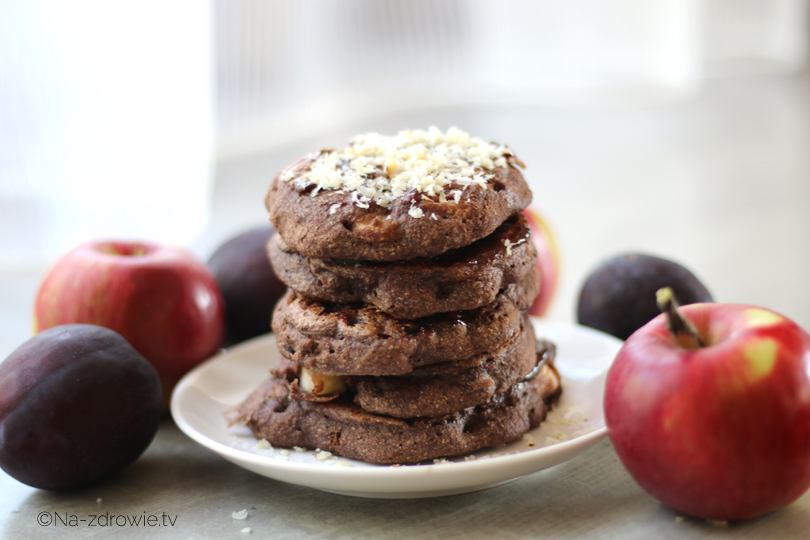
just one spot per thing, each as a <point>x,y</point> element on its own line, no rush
<point>676,127</point>
<point>287,69</point>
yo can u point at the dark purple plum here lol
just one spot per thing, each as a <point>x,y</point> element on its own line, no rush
<point>248,283</point>
<point>77,404</point>
<point>618,297</point>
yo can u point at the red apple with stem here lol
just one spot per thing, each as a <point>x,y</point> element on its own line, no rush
<point>548,260</point>
<point>160,298</point>
<point>708,407</point>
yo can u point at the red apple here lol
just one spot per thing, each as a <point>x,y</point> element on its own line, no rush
<point>548,260</point>
<point>718,430</point>
<point>160,298</point>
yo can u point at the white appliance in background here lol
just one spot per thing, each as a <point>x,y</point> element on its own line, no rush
<point>291,68</point>
<point>106,123</point>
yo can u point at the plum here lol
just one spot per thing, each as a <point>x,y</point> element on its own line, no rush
<point>248,283</point>
<point>77,404</point>
<point>618,297</point>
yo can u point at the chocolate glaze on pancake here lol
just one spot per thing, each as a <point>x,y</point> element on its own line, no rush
<point>358,339</point>
<point>461,279</point>
<point>343,428</point>
<point>449,387</point>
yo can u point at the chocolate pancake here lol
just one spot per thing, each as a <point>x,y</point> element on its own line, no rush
<point>440,389</point>
<point>461,279</point>
<point>326,222</point>
<point>358,339</point>
<point>343,428</point>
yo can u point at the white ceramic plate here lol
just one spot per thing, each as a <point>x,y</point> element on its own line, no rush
<point>203,397</point>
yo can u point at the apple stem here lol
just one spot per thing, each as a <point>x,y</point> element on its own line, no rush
<point>683,330</point>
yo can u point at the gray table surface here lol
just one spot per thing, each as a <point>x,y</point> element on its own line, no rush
<point>720,183</point>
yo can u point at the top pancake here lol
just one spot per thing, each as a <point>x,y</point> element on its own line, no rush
<point>398,206</point>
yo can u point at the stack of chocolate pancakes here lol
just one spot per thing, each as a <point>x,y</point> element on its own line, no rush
<point>404,331</point>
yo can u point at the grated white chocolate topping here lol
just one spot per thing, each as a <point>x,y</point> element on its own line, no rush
<point>378,168</point>
<point>508,244</point>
